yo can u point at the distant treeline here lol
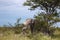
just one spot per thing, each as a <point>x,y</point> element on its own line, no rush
<point>14,29</point>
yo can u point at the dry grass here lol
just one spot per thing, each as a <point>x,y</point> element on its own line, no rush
<point>38,36</point>
<point>21,37</point>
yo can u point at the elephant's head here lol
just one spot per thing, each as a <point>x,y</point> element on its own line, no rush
<point>28,21</point>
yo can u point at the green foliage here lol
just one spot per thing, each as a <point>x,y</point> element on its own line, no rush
<point>49,5</point>
<point>17,24</point>
<point>44,21</point>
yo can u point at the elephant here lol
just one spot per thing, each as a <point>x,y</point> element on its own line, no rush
<point>29,23</point>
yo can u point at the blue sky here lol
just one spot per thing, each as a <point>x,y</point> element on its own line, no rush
<point>11,10</point>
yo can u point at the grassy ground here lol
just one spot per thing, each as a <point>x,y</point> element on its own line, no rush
<point>22,37</point>
<point>9,35</point>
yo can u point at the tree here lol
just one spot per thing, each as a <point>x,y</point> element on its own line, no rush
<point>45,20</point>
<point>44,25</point>
<point>18,27</point>
<point>17,22</point>
<point>48,5</point>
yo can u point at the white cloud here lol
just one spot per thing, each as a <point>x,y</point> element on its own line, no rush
<point>10,2</point>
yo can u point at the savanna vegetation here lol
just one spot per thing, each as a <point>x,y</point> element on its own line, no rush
<point>43,28</point>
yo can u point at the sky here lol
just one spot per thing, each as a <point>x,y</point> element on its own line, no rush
<point>11,10</point>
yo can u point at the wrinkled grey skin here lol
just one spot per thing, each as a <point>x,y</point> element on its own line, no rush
<point>29,23</point>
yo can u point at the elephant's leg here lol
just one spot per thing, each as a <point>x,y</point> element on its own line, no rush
<point>24,30</point>
<point>32,29</point>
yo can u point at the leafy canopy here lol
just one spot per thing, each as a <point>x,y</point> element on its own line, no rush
<point>45,21</point>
